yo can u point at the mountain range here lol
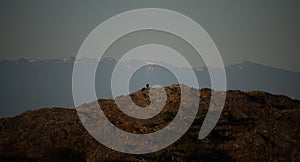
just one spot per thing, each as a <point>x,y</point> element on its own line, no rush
<point>32,84</point>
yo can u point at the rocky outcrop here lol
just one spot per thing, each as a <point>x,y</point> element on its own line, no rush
<point>254,126</point>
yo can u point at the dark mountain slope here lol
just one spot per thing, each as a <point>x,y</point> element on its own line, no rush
<point>254,126</point>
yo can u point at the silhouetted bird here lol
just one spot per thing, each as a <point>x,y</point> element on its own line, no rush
<point>147,85</point>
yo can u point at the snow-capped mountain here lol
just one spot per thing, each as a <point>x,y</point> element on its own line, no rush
<point>48,83</point>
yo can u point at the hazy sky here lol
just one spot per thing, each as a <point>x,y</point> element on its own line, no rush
<point>266,32</point>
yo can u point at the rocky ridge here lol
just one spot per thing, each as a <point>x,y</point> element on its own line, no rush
<point>254,126</point>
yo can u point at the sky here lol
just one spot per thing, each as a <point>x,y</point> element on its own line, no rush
<point>265,32</point>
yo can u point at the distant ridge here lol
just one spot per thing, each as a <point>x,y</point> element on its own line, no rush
<point>48,83</point>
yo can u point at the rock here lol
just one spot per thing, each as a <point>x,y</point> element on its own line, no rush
<point>254,126</point>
